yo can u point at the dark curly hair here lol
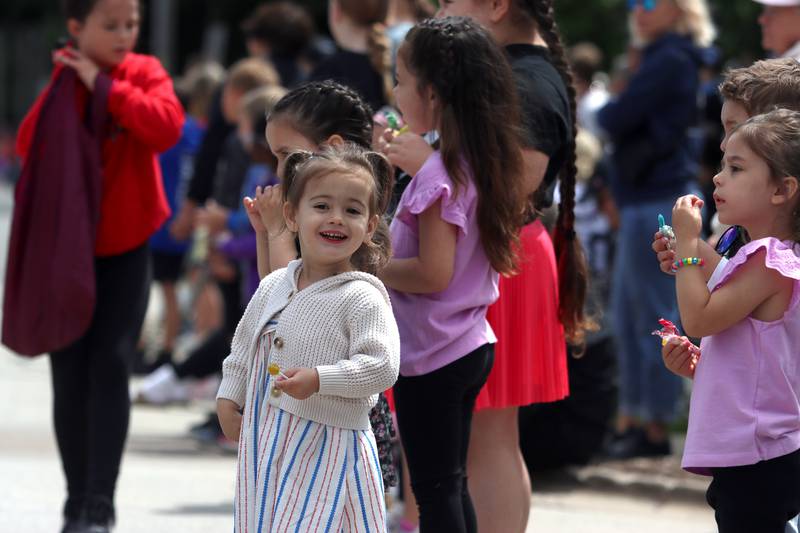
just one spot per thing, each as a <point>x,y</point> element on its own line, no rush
<point>478,123</point>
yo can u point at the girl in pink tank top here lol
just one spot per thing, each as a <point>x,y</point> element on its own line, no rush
<point>744,417</point>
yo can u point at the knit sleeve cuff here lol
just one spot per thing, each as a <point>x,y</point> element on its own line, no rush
<point>332,380</point>
<point>234,389</point>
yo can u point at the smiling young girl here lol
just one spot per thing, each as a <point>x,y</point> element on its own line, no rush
<point>315,346</point>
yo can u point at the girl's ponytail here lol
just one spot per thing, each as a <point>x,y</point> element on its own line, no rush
<point>373,256</point>
<point>573,276</point>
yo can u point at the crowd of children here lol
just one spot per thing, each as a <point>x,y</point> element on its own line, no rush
<point>408,239</point>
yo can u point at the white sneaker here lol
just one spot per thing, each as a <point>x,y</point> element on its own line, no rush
<point>162,387</point>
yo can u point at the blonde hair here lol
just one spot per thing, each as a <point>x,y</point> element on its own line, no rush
<point>259,102</point>
<point>696,21</point>
<point>251,73</point>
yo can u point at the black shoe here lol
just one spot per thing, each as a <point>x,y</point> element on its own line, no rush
<point>73,516</point>
<point>634,443</point>
<point>649,448</point>
<point>98,515</point>
<point>207,432</point>
<point>72,525</point>
<point>139,365</point>
<point>164,357</point>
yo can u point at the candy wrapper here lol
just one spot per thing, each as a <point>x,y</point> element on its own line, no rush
<point>666,231</point>
<point>669,330</point>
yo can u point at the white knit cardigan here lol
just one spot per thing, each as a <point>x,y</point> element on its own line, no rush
<point>342,325</point>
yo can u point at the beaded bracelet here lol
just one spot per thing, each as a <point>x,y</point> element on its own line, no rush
<point>687,261</point>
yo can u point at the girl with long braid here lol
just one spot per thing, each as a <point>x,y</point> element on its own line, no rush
<point>540,309</point>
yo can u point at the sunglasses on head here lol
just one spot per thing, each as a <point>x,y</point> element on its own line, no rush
<point>647,5</point>
<point>727,239</point>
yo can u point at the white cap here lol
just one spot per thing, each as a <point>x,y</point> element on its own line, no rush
<point>779,2</point>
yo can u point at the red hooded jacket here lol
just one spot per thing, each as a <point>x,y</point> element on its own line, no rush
<point>146,118</point>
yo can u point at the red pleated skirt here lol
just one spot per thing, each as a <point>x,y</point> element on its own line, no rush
<point>530,364</point>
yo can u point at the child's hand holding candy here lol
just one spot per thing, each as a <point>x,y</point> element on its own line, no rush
<point>299,383</point>
<point>680,356</point>
<point>665,252</point>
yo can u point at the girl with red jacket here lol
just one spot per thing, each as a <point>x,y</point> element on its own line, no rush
<point>144,117</point>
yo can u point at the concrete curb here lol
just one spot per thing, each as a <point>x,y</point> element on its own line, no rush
<point>646,477</point>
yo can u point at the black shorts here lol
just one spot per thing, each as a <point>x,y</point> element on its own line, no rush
<point>167,267</point>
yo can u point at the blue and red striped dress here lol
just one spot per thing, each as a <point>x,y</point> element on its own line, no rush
<point>296,475</point>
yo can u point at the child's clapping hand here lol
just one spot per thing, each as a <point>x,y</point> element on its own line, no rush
<point>269,203</point>
<point>301,382</point>
<point>678,357</point>
<point>687,221</point>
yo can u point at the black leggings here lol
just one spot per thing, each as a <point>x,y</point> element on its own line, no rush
<point>91,406</point>
<point>757,498</point>
<point>434,412</point>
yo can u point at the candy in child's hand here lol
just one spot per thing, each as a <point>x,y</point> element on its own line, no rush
<point>668,331</point>
<point>665,229</point>
<point>667,328</point>
<point>391,120</point>
<point>400,131</point>
<point>275,370</point>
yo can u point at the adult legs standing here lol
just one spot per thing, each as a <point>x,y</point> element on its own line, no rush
<point>641,294</point>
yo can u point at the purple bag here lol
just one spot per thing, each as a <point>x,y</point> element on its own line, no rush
<point>50,279</point>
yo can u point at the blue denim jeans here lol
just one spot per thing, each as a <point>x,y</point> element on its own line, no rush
<point>640,295</point>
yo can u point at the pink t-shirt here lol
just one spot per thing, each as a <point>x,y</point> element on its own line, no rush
<point>436,329</point>
<point>745,405</point>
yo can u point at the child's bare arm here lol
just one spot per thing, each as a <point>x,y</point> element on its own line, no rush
<point>432,270</point>
<point>230,419</point>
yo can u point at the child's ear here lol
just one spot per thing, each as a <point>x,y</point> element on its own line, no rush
<point>787,190</point>
<point>74,28</point>
<point>499,9</point>
<point>372,225</point>
<point>335,140</point>
<point>334,10</point>
<point>289,217</point>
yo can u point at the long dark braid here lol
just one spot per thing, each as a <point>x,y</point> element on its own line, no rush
<point>573,276</point>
